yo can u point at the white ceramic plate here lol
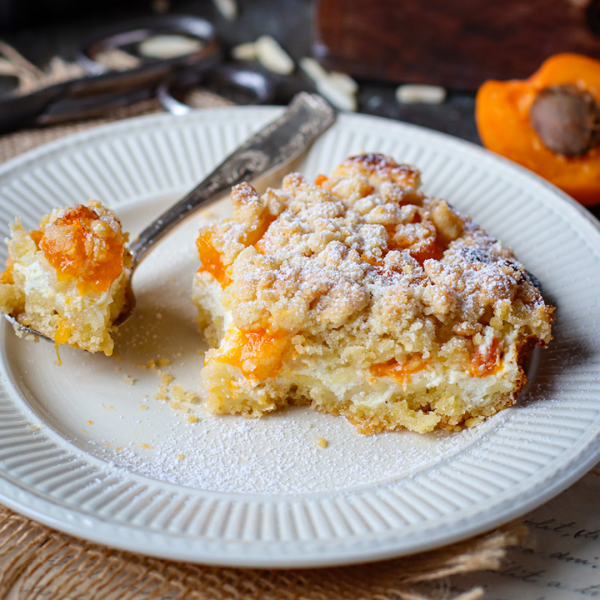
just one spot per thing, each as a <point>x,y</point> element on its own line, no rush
<point>80,453</point>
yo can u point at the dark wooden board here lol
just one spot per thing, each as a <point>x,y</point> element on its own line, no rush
<point>454,43</point>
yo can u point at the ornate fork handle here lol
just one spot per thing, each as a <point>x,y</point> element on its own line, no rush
<point>307,116</point>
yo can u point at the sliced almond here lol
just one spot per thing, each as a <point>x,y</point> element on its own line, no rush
<point>272,56</point>
<point>339,97</point>
<point>338,88</point>
<point>168,46</point>
<point>313,69</point>
<point>343,81</point>
<point>228,8</point>
<point>244,51</point>
<point>420,94</point>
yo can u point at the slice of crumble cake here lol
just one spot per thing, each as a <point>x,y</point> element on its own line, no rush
<point>68,279</point>
<point>361,296</point>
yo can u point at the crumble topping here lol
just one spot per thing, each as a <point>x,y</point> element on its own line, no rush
<point>365,243</point>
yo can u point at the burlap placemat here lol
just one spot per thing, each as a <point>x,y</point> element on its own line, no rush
<point>38,563</point>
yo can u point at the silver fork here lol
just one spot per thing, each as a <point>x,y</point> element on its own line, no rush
<point>306,118</point>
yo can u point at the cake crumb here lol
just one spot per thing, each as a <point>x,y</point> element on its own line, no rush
<point>192,419</point>
<point>118,448</point>
<point>174,394</point>
<point>181,456</point>
<point>146,446</point>
<point>161,394</point>
<point>90,422</point>
<point>209,214</point>
<point>165,378</point>
<point>181,395</point>
<point>128,380</point>
<point>321,442</point>
<point>143,407</point>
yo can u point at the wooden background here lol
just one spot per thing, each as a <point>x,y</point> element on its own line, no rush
<point>455,43</point>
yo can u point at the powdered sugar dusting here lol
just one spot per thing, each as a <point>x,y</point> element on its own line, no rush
<point>304,257</point>
<point>278,454</point>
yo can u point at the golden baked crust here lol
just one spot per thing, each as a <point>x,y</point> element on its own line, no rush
<point>364,297</point>
<point>67,279</point>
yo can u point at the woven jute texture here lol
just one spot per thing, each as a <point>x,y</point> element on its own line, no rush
<point>37,563</point>
<point>15,143</point>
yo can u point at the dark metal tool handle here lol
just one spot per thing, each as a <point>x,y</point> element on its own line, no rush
<point>307,116</point>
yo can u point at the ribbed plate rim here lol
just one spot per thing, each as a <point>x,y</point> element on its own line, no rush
<point>26,500</point>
